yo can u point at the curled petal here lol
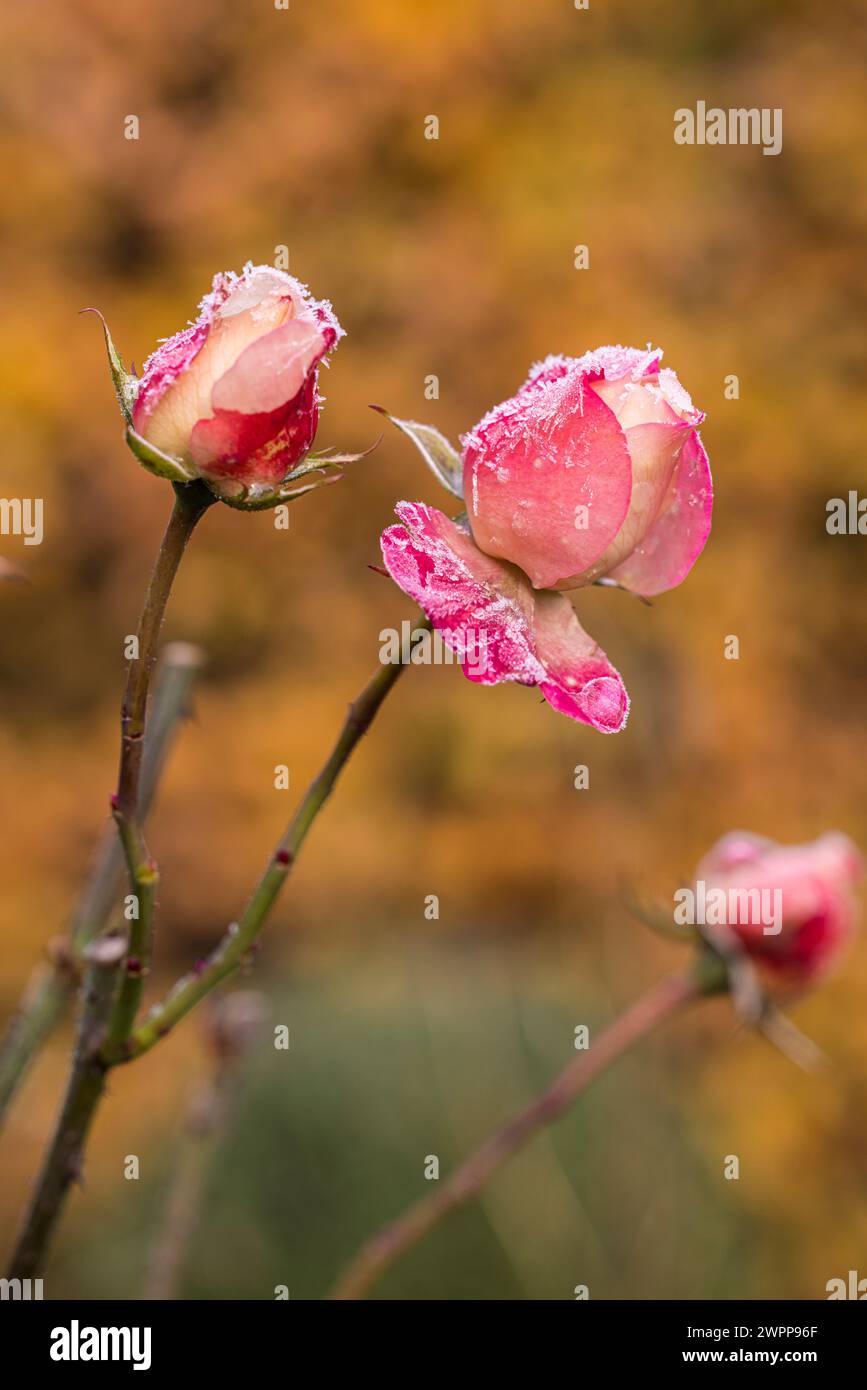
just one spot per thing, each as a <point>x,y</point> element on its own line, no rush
<point>271,371</point>
<point>580,680</point>
<point>488,614</point>
<point>679,533</point>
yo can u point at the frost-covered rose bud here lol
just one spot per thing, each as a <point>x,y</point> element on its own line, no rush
<point>233,399</point>
<point>595,468</point>
<point>791,906</point>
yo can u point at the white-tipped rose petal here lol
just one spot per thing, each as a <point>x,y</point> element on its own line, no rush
<point>272,370</point>
<point>487,612</point>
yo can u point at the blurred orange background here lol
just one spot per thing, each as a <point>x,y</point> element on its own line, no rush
<point>262,128</point>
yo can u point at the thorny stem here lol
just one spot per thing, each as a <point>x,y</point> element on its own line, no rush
<point>62,1164</point>
<point>191,502</point>
<point>99,1021</point>
<point>380,1252</point>
<point>238,941</point>
<point>53,982</point>
<point>108,1008</point>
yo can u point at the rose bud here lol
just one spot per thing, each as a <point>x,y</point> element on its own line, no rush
<point>233,399</point>
<point>594,469</point>
<point>792,907</point>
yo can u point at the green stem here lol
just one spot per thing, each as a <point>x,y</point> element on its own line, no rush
<point>53,983</point>
<point>191,502</point>
<point>179,664</point>
<point>241,936</point>
<point>380,1252</point>
<point>111,1000</point>
<point>62,1164</point>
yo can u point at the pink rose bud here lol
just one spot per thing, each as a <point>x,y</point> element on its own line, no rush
<point>233,399</point>
<point>792,907</point>
<point>595,468</point>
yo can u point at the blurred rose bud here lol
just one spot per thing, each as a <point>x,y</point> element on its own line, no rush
<point>233,399</point>
<point>594,468</point>
<point>791,906</point>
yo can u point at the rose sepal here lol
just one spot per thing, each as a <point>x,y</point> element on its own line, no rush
<point>125,383</point>
<point>441,457</point>
<point>330,466</point>
<point>155,461</point>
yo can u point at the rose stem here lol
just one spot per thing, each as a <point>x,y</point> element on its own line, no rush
<point>84,1091</point>
<point>388,1244</point>
<point>53,982</point>
<point>108,1011</point>
<point>240,937</point>
<point>191,502</point>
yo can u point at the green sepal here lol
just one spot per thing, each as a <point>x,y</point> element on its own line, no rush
<point>258,499</point>
<point>155,461</point>
<point>441,457</point>
<point>125,383</point>
<point>249,500</point>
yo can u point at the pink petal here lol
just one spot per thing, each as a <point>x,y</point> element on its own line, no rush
<point>488,614</point>
<point>580,680</point>
<point>259,448</point>
<point>175,356</point>
<point>735,849</point>
<point>677,537</point>
<point>272,370</point>
<point>548,478</point>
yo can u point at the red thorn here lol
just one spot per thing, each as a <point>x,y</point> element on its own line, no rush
<point>283,856</point>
